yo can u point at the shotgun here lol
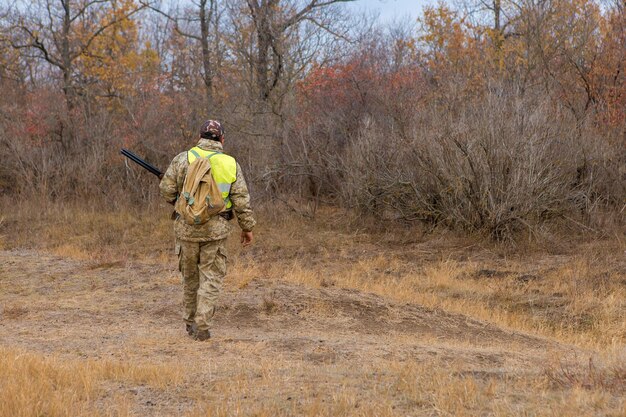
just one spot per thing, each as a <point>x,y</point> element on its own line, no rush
<point>228,215</point>
<point>145,165</point>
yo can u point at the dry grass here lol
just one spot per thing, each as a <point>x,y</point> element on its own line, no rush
<point>36,385</point>
<point>572,294</point>
<point>13,311</point>
<point>592,377</point>
<point>395,387</point>
<point>577,295</point>
<point>90,233</point>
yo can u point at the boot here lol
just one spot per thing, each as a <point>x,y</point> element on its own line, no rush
<point>191,329</point>
<point>202,335</point>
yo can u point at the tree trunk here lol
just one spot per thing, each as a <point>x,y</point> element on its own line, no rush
<point>205,22</point>
<point>66,59</point>
<point>497,10</point>
<point>65,55</point>
<point>262,62</point>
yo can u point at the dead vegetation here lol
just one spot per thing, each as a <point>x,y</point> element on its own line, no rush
<point>589,378</point>
<point>317,319</point>
<point>387,160</point>
<point>434,123</point>
<point>33,385</point>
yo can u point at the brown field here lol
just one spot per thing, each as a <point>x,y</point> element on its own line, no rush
<point>441,200</point>
<point>318,319</point>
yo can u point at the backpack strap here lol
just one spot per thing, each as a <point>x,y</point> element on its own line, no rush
<point>196,154</point>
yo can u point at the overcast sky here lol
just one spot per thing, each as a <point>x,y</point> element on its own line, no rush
<point>391,9</point>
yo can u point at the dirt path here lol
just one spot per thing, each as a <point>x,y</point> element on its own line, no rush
<point>319,339</point>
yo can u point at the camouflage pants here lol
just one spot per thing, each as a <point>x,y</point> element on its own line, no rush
<point>203,266</point>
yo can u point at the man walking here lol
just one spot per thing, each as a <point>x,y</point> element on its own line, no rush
<point>201,247</point>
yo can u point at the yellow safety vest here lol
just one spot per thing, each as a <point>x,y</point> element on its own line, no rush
<point>223,170</point>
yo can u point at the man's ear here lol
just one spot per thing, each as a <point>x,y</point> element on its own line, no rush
<point>222,140</point>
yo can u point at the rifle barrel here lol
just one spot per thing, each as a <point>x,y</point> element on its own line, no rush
<point>145,165</point>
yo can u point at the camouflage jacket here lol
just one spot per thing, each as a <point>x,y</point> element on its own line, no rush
<point>217,227</point>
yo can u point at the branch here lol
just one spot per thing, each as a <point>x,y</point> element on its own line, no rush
<point>171,19</point>
<point>253,5</point>
<point>83,9</point>
<point>36,43</point>
<point>105,27</point>
<point>327,29</point>
<point>312,5</point>
<point>279,66</point>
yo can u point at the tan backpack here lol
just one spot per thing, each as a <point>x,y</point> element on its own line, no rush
<point>200,198</point>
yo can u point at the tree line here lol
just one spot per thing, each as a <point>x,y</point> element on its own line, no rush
<point>496,116</point>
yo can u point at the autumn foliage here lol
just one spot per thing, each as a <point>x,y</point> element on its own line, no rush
<point>495,120</point>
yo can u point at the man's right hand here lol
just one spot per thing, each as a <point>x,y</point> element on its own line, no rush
<point>246,238</point>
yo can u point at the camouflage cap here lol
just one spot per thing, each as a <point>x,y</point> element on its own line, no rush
<point>211,129</point>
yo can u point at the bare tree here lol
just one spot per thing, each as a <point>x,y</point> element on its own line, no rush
<point>61,31</point>
<point>202,25</point>
<point>272,20</point>
<point>499,15</point>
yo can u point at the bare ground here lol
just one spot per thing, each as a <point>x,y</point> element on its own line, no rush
<point>275,346</point>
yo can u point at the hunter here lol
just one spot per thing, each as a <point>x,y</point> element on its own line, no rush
<point>201,248</point>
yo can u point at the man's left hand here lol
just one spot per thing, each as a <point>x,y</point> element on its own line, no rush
<point>246,238</point>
